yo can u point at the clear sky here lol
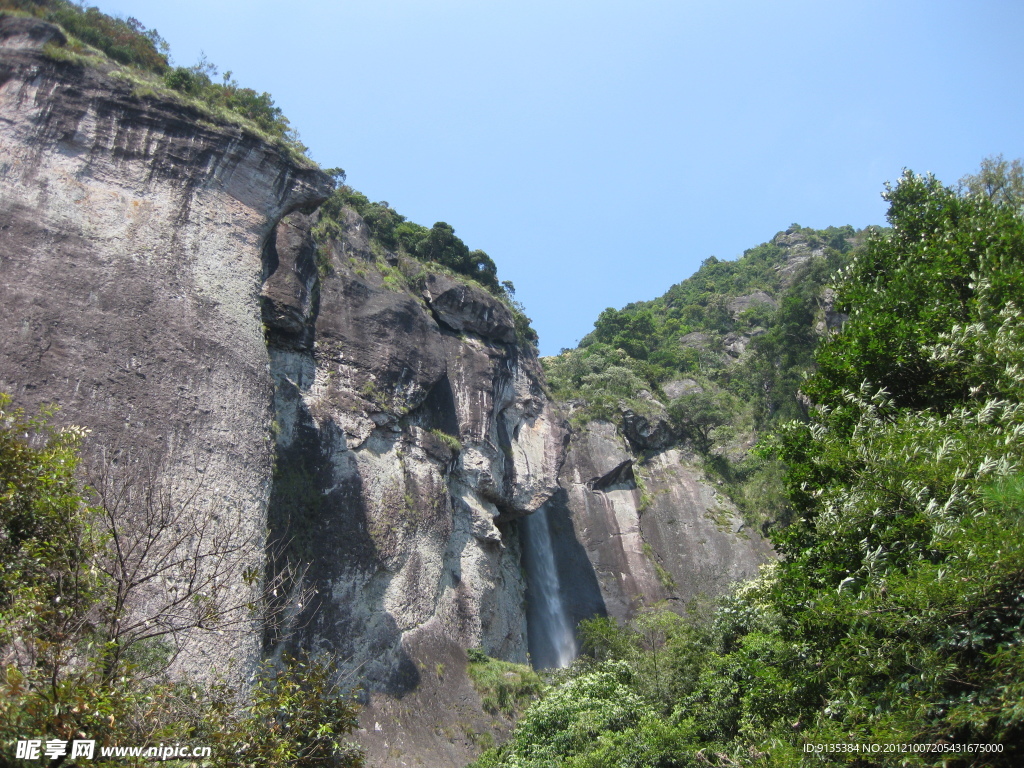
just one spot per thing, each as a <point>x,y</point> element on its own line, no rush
<point>599,150</point>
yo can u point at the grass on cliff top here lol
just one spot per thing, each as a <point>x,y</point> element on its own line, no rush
<point>142,57</point>
<point>503,686</point>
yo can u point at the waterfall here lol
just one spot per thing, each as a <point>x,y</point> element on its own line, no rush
<point>550,632</point>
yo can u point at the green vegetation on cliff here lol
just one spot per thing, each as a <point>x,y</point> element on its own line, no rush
<point>895,615</point>
<point>768,300</point>
<point>81,662</point>
<point>503,686</point>
<point>718,359</point>
<point>438,246</point>
<point>146,53</point>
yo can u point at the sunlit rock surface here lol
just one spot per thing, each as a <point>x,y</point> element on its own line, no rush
<point>668,536</point>
<point>130,237</point>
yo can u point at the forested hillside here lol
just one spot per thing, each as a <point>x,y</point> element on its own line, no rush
<point>718,359</point>
<point>893,619</point>
<point>768,299</point>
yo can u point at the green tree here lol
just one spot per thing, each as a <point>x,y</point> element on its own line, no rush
<point>72,668</point>
<point>441,245</point>
<point>915,282</point>
<point>566,723</point>
<point>1000,180</point>
<point>604,639</point>
<point>901,566</point>
<point>698,414</point>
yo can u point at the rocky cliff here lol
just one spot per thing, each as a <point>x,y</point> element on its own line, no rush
<point>160,281</point>
<point>653,527</point>
<point>130,237</point>
<point>160,284</point>
<point>412,432</point>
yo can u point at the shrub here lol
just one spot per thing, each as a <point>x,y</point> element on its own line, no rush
<point>72,671</point>
<point>503,686</point>
<point>124,41</point>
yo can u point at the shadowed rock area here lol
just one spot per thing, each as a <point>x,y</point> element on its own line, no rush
<point>674,539</point>
<point>408,438</point>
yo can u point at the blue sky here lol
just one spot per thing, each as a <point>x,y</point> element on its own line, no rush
<point>600,150</point>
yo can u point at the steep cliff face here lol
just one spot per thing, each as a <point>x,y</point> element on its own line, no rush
<point>160,282</point>
<point>652,527</point>
<point>130,274</point>
<point>411,432</point>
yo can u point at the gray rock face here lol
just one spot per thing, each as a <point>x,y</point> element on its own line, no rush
<point>409,438</point>
<point>799,252</point>
<point>290,298</point>
<point>129,280</point>
<point>679,387</point>
<point>650,430</point>
<point>831,320</point>
<point>740,304</point>
<point>463,307</point>
<point>665,536</point>
<point>158,281</point>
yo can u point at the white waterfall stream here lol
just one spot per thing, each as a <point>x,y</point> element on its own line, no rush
<point>551,634</point>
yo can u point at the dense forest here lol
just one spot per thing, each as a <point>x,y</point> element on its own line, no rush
<point>894,616</point>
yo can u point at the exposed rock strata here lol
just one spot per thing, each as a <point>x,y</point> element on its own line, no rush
<point>410,435</point>
<point>669,536</point>
<point>130,238</point>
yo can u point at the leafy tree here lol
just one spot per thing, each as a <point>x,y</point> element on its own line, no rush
<point>483,270</point>
<point>566,723</point>
<point>915,282</point>
<point>439,244</point>
<point>699,414</point>
<point>921,414</point>
<point>603,639</point>
<point>999,180</point>
<point>69,674</point>
<point>442,246</point>
<point>296,715</point>
<point>125,41</point>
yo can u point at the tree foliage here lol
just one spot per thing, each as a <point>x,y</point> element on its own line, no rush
<point>258,108</point>
<point>681,333</point>
<point>947,259</point>
<point>126,41</point>
<point>1000,180</point>
<point>439,245</point>
<point>129,42</point>
<point>78,662</point>
<point>896,612</point>
<point>698,414</point>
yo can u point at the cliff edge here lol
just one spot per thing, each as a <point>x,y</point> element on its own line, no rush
<point>130,275</point>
